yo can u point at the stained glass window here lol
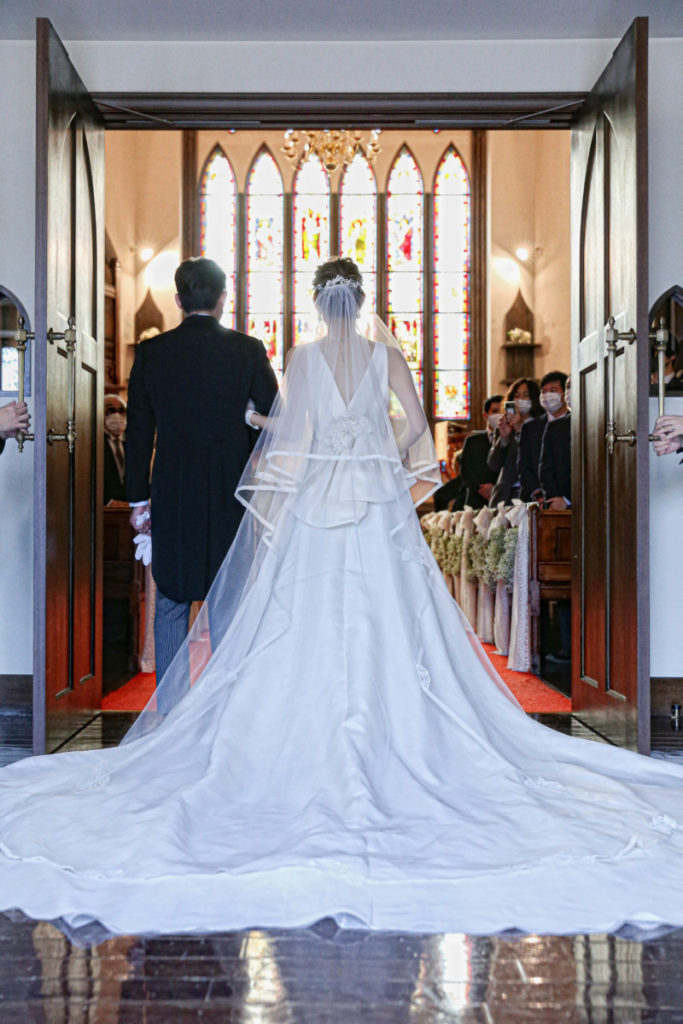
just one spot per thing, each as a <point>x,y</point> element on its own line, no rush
<point>404,234</point>
<point>265,238</point>
<point>451,288</point>
<point>358,223</point>
<point>311,239</point>
<point>217,220</point>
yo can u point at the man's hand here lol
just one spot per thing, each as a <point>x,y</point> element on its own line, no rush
<point>557,504</point>
<point>140,519</point>
<point>14,417</point>
<point>484,491</point>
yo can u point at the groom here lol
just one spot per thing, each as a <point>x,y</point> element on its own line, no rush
<point>190,386</point>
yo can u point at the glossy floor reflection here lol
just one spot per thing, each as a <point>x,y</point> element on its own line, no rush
<point>324,975</point>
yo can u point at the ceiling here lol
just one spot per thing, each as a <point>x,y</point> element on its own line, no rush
<point>245,20</point>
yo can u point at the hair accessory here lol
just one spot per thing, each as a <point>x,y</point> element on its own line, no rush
<point>339,281</point>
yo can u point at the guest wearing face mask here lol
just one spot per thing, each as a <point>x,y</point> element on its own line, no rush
<point>114,448</point>
<point>478,478</point>
<point>521,406</point>
<point>531,435</point>
<point>555,467</point>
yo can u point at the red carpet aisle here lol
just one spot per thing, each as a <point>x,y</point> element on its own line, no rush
<point>532,693</point>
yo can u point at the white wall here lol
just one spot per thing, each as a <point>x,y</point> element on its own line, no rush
<point>666,269</point>
<point>562,65</point>
<point>17,115</point>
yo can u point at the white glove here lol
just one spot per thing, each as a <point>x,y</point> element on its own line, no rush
<point>143,547</point>
<point>247,415</point>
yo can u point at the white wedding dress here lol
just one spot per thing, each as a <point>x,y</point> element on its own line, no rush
<point>347,750</point>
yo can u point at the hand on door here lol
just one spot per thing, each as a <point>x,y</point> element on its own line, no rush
<point>670,430</point>
<point>13,417</point>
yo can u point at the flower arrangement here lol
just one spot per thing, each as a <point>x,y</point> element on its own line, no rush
<point>519,337</point>
<point>476,557</point>
<point>506,563</point>
<point>452,555</point>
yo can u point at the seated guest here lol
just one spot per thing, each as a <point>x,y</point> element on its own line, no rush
<point>114,448</point>
<point>452,494</point>
<point>531,436</point>
<point>477,477</point>
<point>521,406</point>
<point>555,467</point>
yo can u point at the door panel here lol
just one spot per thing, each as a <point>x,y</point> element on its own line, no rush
<point>69,283</point>
<point>610,685</point>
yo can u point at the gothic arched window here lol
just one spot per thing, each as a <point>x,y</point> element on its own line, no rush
<point>217,222</point>
<point>311,241</point>
<point>358,223</point>
<point>404,269</point>
<point>452,256</point>
<point>265,256</point>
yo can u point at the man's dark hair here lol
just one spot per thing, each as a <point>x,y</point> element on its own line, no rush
<point>553,377</point>
<point>491,400</point>
<point>199,282</point>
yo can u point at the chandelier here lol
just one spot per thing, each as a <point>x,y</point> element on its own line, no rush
<point>335,147</point>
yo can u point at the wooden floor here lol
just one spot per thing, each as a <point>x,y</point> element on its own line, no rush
<point>324,975</point>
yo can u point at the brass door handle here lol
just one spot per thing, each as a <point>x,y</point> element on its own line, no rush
<point>22,337</point>
<point>612,337</point>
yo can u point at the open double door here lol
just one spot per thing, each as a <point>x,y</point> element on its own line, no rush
<point>609,261</point>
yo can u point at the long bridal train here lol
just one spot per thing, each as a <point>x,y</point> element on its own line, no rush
<point>347,751</point>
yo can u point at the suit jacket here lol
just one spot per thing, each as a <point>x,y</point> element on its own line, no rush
<point>529,455</point>
<point>502,460</point>
<point>555,470</point>
<point>191,386</point>
<point>114,489</point>
<point>474,469</point>
<point>452,491</point>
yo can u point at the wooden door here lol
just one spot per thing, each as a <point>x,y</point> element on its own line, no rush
<point>68,485</point>
<point>610,684</point>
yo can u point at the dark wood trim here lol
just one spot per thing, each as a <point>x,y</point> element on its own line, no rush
<point>403,111</point>
<point>478,279</point>
<point>643,377</point>
<point>381,276</point>
<point>288,260</point>
<point>241,262</point>
<point>335,227</point>
<point>43,32</point>
<point>428,307</point>
<point>189,212</point>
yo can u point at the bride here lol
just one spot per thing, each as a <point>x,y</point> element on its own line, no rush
<point>345,748</point>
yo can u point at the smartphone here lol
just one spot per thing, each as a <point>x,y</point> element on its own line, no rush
<point>509,408</point>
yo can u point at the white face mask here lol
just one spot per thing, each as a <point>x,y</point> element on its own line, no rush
<point>523,405</point>
<point>492,420</point>
<point>115,423</point>
<point>551,401</point>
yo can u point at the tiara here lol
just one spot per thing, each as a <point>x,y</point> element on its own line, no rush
<point>340,281</point>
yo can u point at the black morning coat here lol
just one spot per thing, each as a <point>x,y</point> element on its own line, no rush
<point>191,385</point>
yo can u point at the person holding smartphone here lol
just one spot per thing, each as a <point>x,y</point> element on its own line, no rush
<point>521,404</point>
